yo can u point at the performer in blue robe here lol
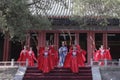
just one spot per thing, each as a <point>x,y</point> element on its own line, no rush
<point>62,54</point>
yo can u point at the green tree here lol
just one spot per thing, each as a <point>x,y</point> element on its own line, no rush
<point>23,15</point>
<point>100,9</point>
<point>2,20</point>
<point>16,19</point>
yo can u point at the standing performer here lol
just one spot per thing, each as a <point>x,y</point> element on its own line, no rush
<point>23,54</point>
<point>74,59</point>
<point>82,53</point>
<point>62,54</point>
<point>40,57</point>
<point>31,57</point>
<point>44,60</point>
<point>54,56</point>
<point>102,54</point>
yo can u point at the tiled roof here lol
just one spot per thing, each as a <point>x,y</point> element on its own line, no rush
<point>59,13</point>
<point>88,21</point>
<point>53,8</point>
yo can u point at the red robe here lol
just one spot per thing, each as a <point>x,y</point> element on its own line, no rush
<point>40,57</point>
<point>102,56</point>
<point>31,58</point>
<point>82,53</point>
<point>54,57</point>
<point>23,56</point>
<point>74,60</point>
<point>45,61</point>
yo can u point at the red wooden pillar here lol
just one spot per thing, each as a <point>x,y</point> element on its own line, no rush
<point>77,37</point>
<point>42,37</point>
<point>105,42</point>
<point>56,40</point>
<point>38,39</point>
<point>90,45</point>
<point>6,48</point>
<point>93,46</point>
<point>38,45</point>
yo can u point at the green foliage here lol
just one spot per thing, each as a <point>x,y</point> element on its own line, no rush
<point>2,20</point>
<point>39,23</point>
<point>82,21</point>
<point>98,9</point>
<point>108,8</point>
<point>17,19</point>
<point>16,16</point>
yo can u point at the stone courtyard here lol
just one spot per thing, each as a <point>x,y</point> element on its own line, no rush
<point>110,73</point>
<point>7,73</point>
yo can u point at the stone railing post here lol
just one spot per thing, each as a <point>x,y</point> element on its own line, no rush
<point>119,62</point>
<point>105,62</point>
<point>26,62</point>
<point>5,63</point>
<point>91,62</point>
<point>12,62</point>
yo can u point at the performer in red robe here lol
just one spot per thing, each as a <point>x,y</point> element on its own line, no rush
<point>23,55</point>
<point>54,56</point>
<point>74,59</point>
<point>102,54</point>
<point>40,57</point>
<point>44,60</point>
<point>31,57</point>
<point>83,54</point>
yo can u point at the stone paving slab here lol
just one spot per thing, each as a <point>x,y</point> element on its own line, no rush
<point>110,73</point>
<point>7,73</point>
<point>96,73</point>
<point>20,73</point>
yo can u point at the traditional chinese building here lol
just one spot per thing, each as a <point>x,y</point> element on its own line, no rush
<point>89,36</point>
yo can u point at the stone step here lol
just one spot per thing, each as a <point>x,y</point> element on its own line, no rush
<point>33,73</point>
<point>34,68</point>
<point>59,74</point>
<point>58,78</point>
<point>58,71</point>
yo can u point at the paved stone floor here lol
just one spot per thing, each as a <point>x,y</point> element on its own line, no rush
<point>110,73</point>
<point>7,73</point>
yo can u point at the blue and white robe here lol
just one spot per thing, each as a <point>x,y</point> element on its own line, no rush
<point>62,54</point>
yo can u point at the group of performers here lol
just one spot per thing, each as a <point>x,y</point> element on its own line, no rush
<point>47,58</point>
<point>102,54</point>
<point>27,55</point>
<point>73,58</point>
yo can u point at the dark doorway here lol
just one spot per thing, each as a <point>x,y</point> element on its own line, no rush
<point>15,50</point>
<point>114,44</point>
<point>98,40</point>
<point>50,38</point>
<point>34,42</point>
<point>83,41</point>
<point>16,46</point>
<point>1,46</point>
<point>68,38</point>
